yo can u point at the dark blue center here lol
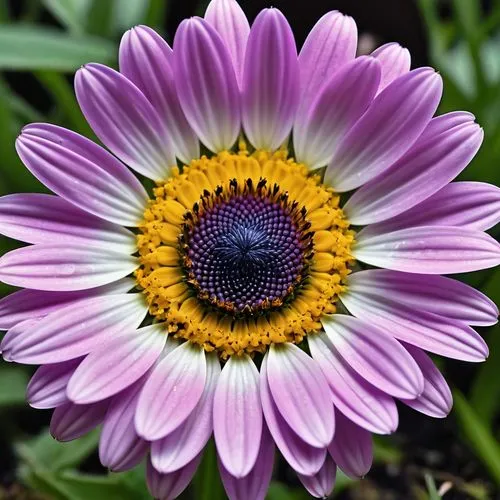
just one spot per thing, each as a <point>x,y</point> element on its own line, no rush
<point>245,253</point>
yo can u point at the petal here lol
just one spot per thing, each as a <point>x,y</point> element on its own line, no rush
<point>182,445</point>
<point>391,125</point>
<point>271,81</point>
<point>47,387</point>
<point>376,356</point>
<point>435,294</point>
<point>238,415</point>
<point>428,249</point>
<point>255,484</point>
<point>395,61</point>
<point>206,84</point>
<point>82,173</point>
<point>71,421</point>
<point>430,164</point>
<point>147,61</point>
<point>172,392</point>
<point>31,304</point>
<point>72,331</point>
<point>228,18</point>
<point>427,330</point>
<point>342,101</point>
<point>436,400</point>
<point>61,267</point>
<point>301,393</point>
<point>473,205</point>
<point>117,364</point>
<point>124,120</point>
<point>42,218</point>
<point>321,484</point>
<point>15,335</point>
<point>120,448</point>
<point>167,486</point>
<point>303,458</point>
<point>352,395</point>
<point>352,448</point>
<point>331,43</point>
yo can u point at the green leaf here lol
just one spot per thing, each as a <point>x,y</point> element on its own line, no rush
<point>206,483</point>
<point>130,13</point>
<point>480,437</point>
<point>29,47</point>
<point>278,491</point>
<point>156,13</point>
<point>68,12</point>
<point>431,488</point>
<point>13,385</point>
<point>100,17</point>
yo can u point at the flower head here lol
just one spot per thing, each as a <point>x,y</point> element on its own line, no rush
<point>247,296</point>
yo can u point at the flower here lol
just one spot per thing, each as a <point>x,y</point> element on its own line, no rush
<point>252,298</point>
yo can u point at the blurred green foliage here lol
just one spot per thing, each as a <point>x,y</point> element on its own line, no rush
<point>463,47</point>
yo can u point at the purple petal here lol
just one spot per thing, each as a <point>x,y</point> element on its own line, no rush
<point>167,486</point>
<point>31,304</point>
<point>72,332</point>
<point>15,335</point>
<point>255,484</point>
<point>172,392</point>
<point>62,267</point>
<point>83,173</point>
<point>352,448</point>
<point>395,61</point>
<point>432,162</point>
<point>47,387</point>
<point>120,448</point>
<point>238,415</point>
<point>331,43</point>
<point>147,60</point>
<point>376,356</point>
<point>301,394</point>
<point>391,125</point>
<point>271,81</point>
<point>180,447</point>
<point>71,421</point>
<point>435,294</point>
<point>42,218</point>
<point>321,484</point>
<point>427,330</point>
<point>124,120</point>
<point>352,395</point>
<point>428,249</point>
<point>206,84</point>
<point>436,400</point>
<point>339,105</point>
<point>117,364</point>
<point>305,459</point>
<point>228,18</point>
<point>473,205</point>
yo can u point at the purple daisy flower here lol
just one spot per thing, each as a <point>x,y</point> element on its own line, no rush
<point>249,300</point>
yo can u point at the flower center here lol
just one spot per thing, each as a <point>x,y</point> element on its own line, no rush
<point>242,250</point>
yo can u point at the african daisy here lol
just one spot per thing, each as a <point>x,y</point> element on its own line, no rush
<point>280,284</point>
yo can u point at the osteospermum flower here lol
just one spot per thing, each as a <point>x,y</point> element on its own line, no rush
<point>251,299</point>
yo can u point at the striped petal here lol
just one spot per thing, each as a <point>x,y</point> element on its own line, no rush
<point>352,395</point>
<point>15,335</point>
<point>228,18</point>
<point>82,173</point>
<point>321,484</point>
<point>330,44</point>
<point>428,249</point>
<point>376,356</point>
<point>395,61</point>
<point>238,416</point>
<point>352,448</point>
<point>72,332</point>
<point>117,364</point>
<point>61,267</point>
<point>271,81</point>
<point>302,457</point>
<point>147,60</point>
<point>172,392</point>
<point>124,120</point>
<point>391,125</point>
<point>182,445</point>
<point>206,84</point>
